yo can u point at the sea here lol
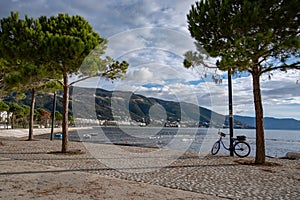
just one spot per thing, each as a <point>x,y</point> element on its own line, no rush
<point>277,142</point>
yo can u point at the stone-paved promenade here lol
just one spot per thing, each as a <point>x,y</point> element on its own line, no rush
<point>211,176</point>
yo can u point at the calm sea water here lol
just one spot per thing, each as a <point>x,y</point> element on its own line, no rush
<point>278,142</point>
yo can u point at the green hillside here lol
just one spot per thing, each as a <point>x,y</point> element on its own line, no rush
<point>119,105</point>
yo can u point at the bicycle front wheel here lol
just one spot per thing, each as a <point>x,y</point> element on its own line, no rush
<point>241,149</point>
<point>215,149</point>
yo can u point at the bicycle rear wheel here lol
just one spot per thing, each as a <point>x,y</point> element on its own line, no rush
<point>241,149</point>
<point>215,149</point>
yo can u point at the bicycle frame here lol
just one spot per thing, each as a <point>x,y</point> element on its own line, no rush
<point>239,147</point>
<point>221,142</point>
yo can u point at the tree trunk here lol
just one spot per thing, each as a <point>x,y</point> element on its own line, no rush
<point>260,138</point>
<point>30,136</point>
<point>65,139</point>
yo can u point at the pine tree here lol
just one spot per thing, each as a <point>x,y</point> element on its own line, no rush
<point>69,40</point>
<point>21,43</point>
<point>247,35</point>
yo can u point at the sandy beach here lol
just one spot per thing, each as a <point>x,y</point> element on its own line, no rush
<point>33,170</point>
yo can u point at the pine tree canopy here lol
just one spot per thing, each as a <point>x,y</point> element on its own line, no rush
<point>247,34</point>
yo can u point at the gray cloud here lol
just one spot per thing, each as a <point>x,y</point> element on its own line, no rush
<point>113,17</point>
<point>107,16</point>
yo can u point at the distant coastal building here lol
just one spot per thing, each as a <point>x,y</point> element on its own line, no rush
<point>86,122</point>
<point>204,124</point>
<point>172,124</point>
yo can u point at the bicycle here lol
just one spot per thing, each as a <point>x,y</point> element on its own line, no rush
<point>240,147</point>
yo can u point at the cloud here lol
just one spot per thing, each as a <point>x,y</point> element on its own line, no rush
<point>152,39</point>
<point>281,88</point>
<point>277,93</point>
<point>109,17</point>
<point>140,75</point>
<point>153,36</point>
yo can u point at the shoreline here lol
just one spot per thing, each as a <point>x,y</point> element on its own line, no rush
<point>22,133</point>
<point>154,141</point>
<point>207,177</point>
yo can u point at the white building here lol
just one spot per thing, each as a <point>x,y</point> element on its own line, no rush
<point>3,119</point>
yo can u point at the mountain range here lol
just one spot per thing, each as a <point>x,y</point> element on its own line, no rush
<point>272,123</point>
<point>127,106</point>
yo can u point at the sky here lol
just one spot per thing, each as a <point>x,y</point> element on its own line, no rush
<point>152,36</point>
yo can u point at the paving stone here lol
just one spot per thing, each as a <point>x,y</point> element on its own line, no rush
<point>220,176</point>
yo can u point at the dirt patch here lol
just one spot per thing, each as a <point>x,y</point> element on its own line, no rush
<point>268,170</point>
<point>251,162</point>
<point>70,152</point>
<point>44,182</point>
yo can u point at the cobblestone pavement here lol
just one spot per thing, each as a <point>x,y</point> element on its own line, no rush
<point>220,176</point>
